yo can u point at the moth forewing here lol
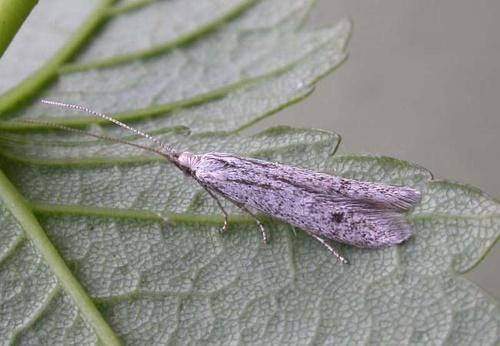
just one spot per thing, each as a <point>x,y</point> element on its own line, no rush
<point>352,215</point>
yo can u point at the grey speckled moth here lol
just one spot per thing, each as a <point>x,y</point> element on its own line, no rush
<point>363,214</point>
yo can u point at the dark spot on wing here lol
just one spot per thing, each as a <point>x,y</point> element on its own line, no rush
<point>337,217</point>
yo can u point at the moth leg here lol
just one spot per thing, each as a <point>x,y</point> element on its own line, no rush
<point>330,248</point>
<point>264,234</point>
<point>224,227</point>
<point>263,230</point>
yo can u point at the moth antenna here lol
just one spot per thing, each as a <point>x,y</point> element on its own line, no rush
<point>168,150</point>
<point>87,133</point>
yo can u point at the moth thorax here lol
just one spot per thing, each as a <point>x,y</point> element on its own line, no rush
<point>189,160</point>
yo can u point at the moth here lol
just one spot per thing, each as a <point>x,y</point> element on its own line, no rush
<point>327,207</point>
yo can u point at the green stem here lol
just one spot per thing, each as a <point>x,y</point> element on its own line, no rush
<point>12,16</point>
<point>49,71</point>
<point>20,209</point>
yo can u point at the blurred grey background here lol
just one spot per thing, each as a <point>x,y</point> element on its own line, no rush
<point>422,84</point>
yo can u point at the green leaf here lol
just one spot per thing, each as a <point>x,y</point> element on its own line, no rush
<point>101,242</point>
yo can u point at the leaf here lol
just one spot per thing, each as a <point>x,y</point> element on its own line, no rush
<point>86,256</point>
